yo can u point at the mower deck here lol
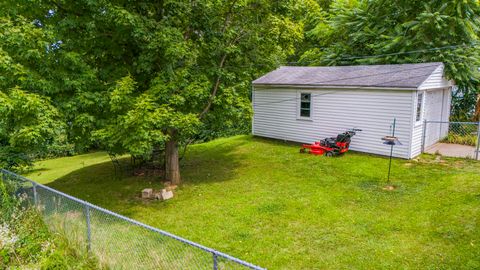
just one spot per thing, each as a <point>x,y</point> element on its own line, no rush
<point>330,146</point>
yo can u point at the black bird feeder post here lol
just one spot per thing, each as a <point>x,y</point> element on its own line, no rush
<point>392,141</point>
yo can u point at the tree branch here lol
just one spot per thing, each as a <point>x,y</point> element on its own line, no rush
<point>217,82</point>
<point>226,23</point>
<point>215,89</point>
<point>227,16</point>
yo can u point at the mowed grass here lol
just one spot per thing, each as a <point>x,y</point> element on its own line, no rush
<point>262,201</point>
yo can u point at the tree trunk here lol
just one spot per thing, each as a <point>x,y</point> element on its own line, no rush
<point>172,166</point>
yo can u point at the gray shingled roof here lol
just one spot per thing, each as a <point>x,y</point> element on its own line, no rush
<point>397,76</point>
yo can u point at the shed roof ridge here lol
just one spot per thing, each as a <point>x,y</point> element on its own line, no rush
<point>405,75</point>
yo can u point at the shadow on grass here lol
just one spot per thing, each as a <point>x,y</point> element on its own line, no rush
<point>98,183</point>
<point>37,170</point>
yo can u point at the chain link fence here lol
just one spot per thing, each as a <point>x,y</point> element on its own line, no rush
<point>455,139</point>
<point>116,241</point>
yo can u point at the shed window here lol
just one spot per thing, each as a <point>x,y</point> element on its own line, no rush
<point>418,116</point>
<point>305,104</point>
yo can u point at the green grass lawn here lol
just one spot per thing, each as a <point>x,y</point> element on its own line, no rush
<point>262,201</point>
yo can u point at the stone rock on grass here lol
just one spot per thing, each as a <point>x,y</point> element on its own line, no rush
<point>164,194</point>
<point>167,194</point>
<point>147,193</point>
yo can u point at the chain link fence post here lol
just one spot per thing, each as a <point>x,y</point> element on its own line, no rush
<point>143,246</point>
<point>215,262</point>
<point>478,142</point>
<point>89,232</point>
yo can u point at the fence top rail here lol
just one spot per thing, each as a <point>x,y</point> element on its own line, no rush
<point>453,122</point>
<point>148,227</point>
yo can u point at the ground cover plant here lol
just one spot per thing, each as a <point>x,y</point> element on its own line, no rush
<point>465,134</point>
<point>262,201</point>
<point>464,139</point>
<point>27,243</point>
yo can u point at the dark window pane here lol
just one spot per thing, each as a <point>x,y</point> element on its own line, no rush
<point>305,112</point>
<point>305,97</point>
<point>305,105</point>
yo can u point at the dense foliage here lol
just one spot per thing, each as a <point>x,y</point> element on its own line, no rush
<point>383,32</point>
<point>29,127</point>
<point>145,77</point>
<point>43,93</point>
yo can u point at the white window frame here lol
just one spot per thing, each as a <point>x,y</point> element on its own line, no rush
<point>422,107</point>
<point>299,105</point>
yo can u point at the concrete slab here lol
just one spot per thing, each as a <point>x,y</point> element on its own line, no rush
<point>452,150</point>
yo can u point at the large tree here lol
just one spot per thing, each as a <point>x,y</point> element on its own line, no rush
<point>404,31</point>
<point>29,127</point>
<point>30,124</point>
<point>159,73</point>
<point>33,58</point>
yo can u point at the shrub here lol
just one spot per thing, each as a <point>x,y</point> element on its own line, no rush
<point>464,139</point>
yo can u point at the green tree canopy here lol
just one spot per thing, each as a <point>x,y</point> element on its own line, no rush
<point>29,127</point>
<point>30,124</point>
<point>140,76</point>
<point>146,73</point>
<point>32,58</point>
<point>404,32</point>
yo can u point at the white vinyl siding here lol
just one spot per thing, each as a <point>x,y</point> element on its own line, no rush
<point>417,136</point>
<point>436,108</point>
<point>433,112</point>
<point>334,111</point>
<point>436,80</point>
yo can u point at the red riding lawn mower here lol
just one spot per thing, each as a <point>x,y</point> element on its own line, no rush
<point>331,146</point>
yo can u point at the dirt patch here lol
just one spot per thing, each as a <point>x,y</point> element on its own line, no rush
<point>149,172</point>
<point>390,187</point>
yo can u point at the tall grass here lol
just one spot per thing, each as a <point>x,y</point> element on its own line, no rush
<point>26,242</point>
<point>114,242</point>
<point>459,133</point>
<point>118,244</point>
<point>463,139</point>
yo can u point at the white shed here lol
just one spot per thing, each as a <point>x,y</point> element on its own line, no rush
<point>306,104</point>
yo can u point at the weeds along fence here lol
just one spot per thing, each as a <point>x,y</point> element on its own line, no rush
<point>462,138</point>
<point>117,242</point>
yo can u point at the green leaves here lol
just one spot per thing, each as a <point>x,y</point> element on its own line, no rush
<point>29,125</point>
<point>183,58</point>
<point>128,72</point>
<point>120,98</point>
<point>144,124</point>
<point>370,28</point>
